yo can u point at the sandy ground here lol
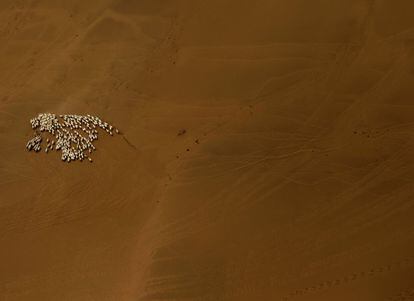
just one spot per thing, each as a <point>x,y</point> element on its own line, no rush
<point>293,179</point>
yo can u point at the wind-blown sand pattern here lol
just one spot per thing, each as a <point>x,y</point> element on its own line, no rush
<point>266,150</point>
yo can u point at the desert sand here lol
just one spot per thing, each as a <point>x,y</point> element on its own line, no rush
<point>266,150</point>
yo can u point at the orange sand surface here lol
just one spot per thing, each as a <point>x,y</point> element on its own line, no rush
<point>266,150</point>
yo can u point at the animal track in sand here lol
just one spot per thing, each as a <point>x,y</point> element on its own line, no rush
<point>405,295</point>
<point>406,262</point>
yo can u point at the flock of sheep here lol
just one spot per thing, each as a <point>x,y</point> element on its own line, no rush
<point>73,134</point>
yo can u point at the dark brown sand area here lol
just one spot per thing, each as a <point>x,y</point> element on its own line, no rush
<point>267,150</point>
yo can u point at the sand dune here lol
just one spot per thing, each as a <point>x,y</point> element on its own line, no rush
<point>266,150</point>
